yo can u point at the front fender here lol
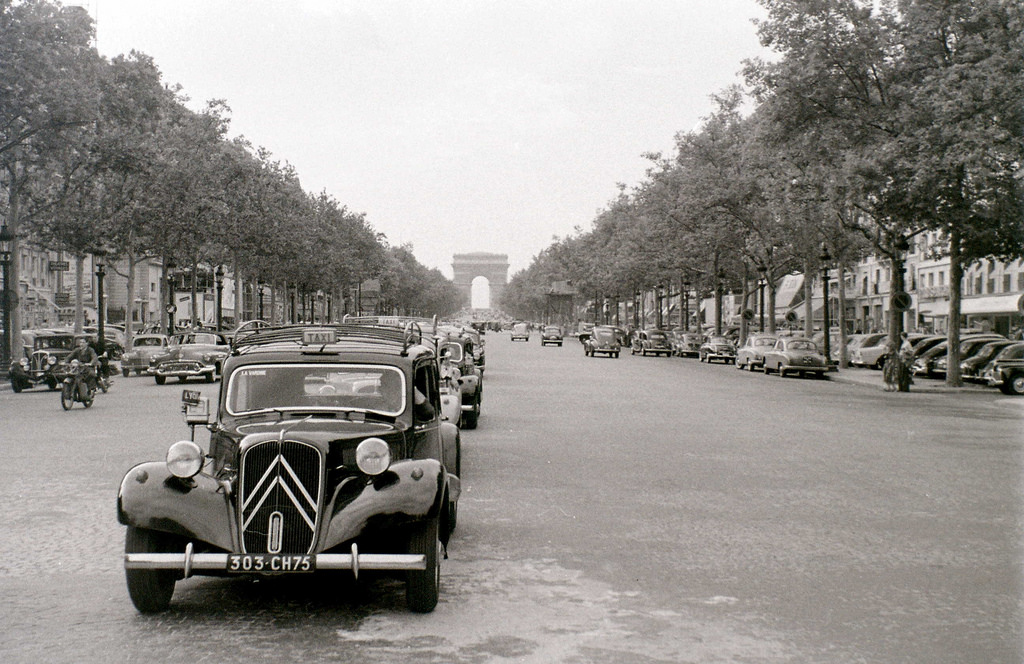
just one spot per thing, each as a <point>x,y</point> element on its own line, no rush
<point>198,509</point>
<point>469,384</point>
<point>412,489</point>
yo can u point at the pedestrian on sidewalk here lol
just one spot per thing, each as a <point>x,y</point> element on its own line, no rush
<point>891,368</point>
<point>906,360</point>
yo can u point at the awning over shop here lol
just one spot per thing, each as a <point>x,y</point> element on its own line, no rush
<point>991,304</point>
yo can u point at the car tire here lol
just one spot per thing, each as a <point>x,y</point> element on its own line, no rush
<point>1013,385</point>
<point>422,586</point>
<point>150,589</point>
<point>209,378</point>
<point>16,386</point>
<point>469,420</point>
<point>126,372</point>
<point>51,383</point>
<point>616,355</point>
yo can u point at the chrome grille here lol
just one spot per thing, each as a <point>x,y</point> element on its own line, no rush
<point>279,497</point>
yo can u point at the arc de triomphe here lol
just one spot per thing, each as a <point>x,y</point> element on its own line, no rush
<point>467,267</point>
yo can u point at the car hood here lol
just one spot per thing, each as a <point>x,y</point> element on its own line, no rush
<point>190,351</point>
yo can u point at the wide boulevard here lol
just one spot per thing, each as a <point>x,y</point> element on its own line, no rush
<point>632,510</point>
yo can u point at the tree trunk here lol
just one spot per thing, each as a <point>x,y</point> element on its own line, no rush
<point>844,358</point>
<point>772,291</point>
<point>956,274</point>
<point>808,300</point>
<point>195,294</point>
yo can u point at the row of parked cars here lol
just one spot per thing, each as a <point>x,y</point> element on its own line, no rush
<point>985,358</point>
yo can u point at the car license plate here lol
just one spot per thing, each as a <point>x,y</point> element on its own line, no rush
<point>272,563</point>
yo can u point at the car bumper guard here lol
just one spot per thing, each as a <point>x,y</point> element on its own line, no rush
<point>188,561</point>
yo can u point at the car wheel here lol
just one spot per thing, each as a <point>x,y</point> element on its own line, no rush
<point>422,586</point>
<point>160,380</point>
<point>616,356</point>
<point>782,372</point>
<point>1014,385</point>
<point>766,369</point>
<point>469,420</point>
<point>149,589</point>
<point>16,386</point>
<point>51,383</point>
<point>209,378</point>
<point>126,372</point>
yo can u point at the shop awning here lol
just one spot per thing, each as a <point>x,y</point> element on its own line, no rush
<point>991,304</point>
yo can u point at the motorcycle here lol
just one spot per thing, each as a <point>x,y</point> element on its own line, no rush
<point>76,387</point>
<point>103,375</point>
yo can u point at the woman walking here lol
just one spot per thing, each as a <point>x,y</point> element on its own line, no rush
<point>891,368</point>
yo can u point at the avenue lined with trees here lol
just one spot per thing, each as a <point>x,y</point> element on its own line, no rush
<point>102,157</point>
<point>875,124</point>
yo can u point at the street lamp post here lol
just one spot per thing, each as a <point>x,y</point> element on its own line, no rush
<point>259,289</point>
<point>761,282</point>
<point>826,324</point>
<point>686,305</point>
<point>101,340</point>
<point>218,276</point>
<point>171,307</point>
<point>5,257</point>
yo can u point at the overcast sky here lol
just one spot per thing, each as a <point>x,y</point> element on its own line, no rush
<point>454,126</point>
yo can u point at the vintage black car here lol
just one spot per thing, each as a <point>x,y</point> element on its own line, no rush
<point>651,342</point>
<point>44,350</point>
<point>327,452</point>
<point>602,339</point>
<point>551,334</point>
<point>718,347</point>
<point>470,379</point>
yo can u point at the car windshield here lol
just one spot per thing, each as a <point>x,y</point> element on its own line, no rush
<point>718,340</point>
<point>59,343</point>
<point>801,344</point>
<point>656,336</point>
<point>316,387</point>
<point>455,351</point>
<point>198,338</point>
<point>605,333</point>
<point>146,341</point>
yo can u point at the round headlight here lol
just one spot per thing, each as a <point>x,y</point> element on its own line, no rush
<point>184,459</point>
<point>51,360</point>
<point>373,456</point>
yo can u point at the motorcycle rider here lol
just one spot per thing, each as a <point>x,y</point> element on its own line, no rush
<point>87,357</point>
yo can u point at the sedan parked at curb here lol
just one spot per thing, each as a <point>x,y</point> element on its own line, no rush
<point>750,355</point>
<point>797,355</point>
<point>718,347</point>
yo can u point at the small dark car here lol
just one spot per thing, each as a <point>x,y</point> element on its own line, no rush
<point>717,347</point>
<point>44,351</point>
<point>686,344</point>
<point>602,339</point>
<point>551,334</point>
<point>651,342</point>
<point>327,452</point>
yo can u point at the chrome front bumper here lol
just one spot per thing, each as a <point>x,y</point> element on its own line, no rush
<point>189,562</point>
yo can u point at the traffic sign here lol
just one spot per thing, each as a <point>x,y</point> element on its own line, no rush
<point>748,314</point>
<point>791,316</point>
<point>901,301</point>
<point>170,308</point>
<point>59,266</point>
